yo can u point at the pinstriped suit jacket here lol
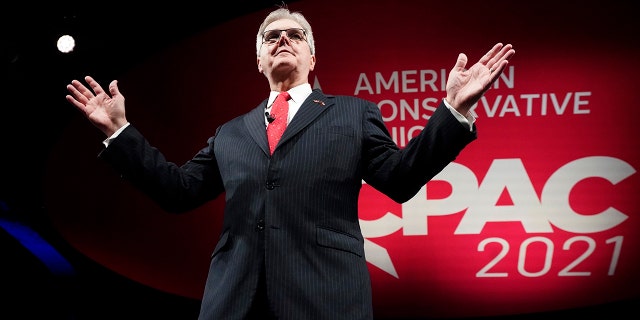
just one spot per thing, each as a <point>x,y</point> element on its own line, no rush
<point>294,213</point>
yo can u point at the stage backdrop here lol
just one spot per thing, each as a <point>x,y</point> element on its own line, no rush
<point>540,213</point>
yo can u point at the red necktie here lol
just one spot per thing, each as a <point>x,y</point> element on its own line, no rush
<point>279,112</point>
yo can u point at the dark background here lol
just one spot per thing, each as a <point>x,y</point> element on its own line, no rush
<point>112,37</point>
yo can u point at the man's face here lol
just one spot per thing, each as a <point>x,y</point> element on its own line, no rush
<point>286,57</point>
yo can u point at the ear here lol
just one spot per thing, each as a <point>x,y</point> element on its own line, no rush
<point>312,63</point>
<point>259,65</point>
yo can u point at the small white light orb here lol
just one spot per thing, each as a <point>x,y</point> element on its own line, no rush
<point>66,43</point>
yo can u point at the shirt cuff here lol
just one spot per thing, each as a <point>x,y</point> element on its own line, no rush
<point>107,141</point>
<point>467,121</point>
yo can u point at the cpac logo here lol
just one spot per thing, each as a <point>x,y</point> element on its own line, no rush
<point>536,214</point>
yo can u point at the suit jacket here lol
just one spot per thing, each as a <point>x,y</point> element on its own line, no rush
<point>293,213</point>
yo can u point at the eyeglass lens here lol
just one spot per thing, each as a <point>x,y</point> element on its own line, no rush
<point>294,34</point>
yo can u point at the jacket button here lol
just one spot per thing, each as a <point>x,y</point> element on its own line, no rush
<point>260,225</point>
<point>270,185</point>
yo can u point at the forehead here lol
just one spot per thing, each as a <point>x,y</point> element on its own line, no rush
<point>282,24</point>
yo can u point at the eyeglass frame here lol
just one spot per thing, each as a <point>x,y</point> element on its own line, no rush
<point>304,33</point>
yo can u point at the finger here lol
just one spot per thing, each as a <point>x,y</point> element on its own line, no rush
<point>505,53</point>
<point>502,59</point>
<point>75,102</point>
<point>79,92</point>
<point>508,52</point>
<point>497,68</point>
<point>95,86</point>
<point>487,58</point>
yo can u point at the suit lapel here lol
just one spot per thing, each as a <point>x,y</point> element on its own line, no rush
<point>256,126</point>
<point>311,108</point>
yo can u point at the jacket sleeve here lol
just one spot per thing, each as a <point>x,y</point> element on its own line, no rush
<point>174,188</point>
<point>400,173</point>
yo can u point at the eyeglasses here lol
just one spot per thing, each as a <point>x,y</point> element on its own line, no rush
<point>296,35</point>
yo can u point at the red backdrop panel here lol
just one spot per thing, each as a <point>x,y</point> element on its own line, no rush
<point>540,213</point>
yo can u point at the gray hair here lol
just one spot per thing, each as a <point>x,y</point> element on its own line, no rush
<point>284,13</point>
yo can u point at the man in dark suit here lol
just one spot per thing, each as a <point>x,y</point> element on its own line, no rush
<point>291,245</point>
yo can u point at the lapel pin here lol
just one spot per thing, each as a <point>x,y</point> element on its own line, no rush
<point>319,102</point>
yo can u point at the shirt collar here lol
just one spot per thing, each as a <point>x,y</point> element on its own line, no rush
<point>298,94</point>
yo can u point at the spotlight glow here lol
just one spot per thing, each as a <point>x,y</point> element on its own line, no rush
<point>66,43</point>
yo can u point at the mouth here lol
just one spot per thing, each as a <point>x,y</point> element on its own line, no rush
<point>283,51</point>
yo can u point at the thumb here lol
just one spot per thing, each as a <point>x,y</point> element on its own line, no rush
<point>113,88</point>
<point>461,62</point>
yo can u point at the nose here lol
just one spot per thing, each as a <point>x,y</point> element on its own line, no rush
<point>283,35</point>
